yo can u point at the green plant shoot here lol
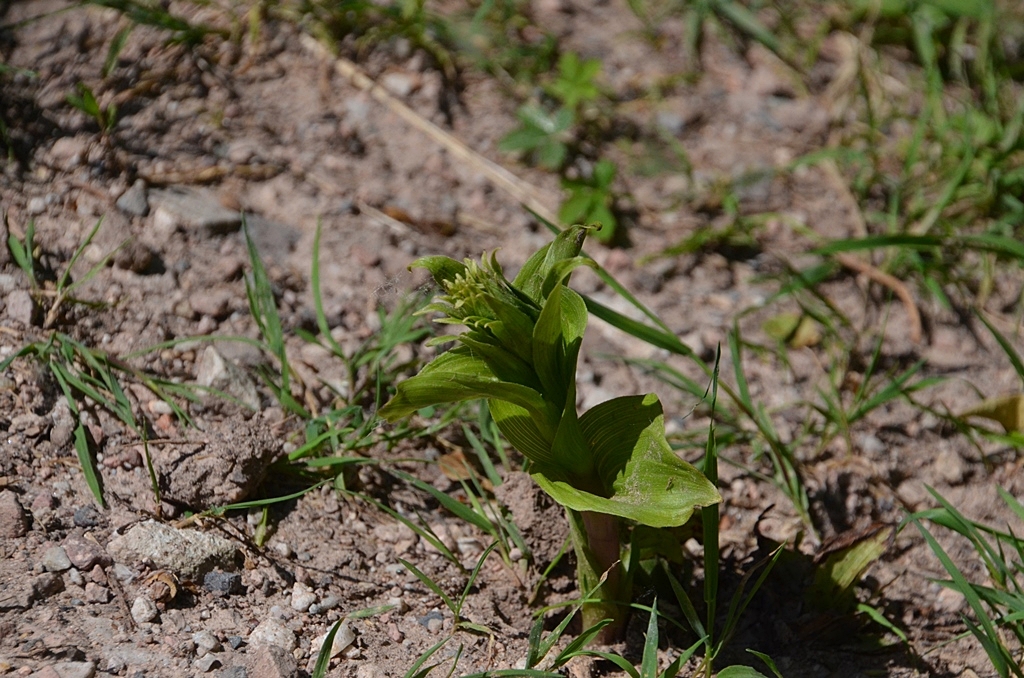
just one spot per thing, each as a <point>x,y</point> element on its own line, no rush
<point>519,352</point>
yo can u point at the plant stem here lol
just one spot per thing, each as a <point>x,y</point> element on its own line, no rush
<point>595,538</point>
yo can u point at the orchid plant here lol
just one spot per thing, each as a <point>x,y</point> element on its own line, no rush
<point>519,352</point>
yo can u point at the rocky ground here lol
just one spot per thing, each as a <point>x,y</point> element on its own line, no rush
<point>270,130</point>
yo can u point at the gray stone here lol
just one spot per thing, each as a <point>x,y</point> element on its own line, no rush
<point>272,633</point>
<point>432,621</point>
<point>87,516</point>
<point>46,585</point>
<point>207,663</point>
<point>8,281</point>
<point>144,610</point>
<point>214,371</point>
<point>400,84</point>
<point>55,560</point>
<point>206,643</point>
<point>94,593</point>
<point>134,201</point>
<point>188,553</point>
<point>22,308</point>
<point>223,583</point>
<point>192,209</point>
<point>233,672</point>
<point>62,426</point>
<point>85,554</point>
<point>13,519</point>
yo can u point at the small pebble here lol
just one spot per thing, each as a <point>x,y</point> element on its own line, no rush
<point>134,201</point>
<point>432,621</point>
<point>55,560</point>
<point>206,643</point>
<point>47,584</point>
<point>36,205</point>
<point>13,520</point>
<point>223,583</point>
<point>271,632</point>
<point>302,597</point>
<point>94,593</point>
<point>87,516</point>
<point>75,577</point>
<point>144,610</point>
<point>207,663</point>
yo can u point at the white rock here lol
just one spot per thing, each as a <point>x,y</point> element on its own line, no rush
<point>188,553</point>
<point>342,639</point>
<point>302,597</point>
<point>272,633</point>
<point>216,372</point>
<point>144,610</point>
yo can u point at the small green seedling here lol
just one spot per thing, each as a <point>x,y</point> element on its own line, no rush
<point>85,101</point>
<point>576,83</point>
<point>519,352</point>
<point>541,135</point>
<point>590,200</point>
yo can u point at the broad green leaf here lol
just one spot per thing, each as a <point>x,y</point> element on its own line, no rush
<point>516,424</point>
<point>644,480</point>
<point>503,364</point>
<point>556,341</point>
<point>514,329</point>
<point>570,453</point>
<point>547,347</point>
<point>456,376</point>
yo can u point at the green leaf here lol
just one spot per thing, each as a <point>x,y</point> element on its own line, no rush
<point>443,269</point>
<point>579,204</point>
<point>740,672</point>
<point>604,173</point>
<point>644,480</point>
<point>518,427</point>
<point>649,660</point>
<point>534,273</point>
<point>456,376</point>
<point>505,365</point>
<point>556,341</point>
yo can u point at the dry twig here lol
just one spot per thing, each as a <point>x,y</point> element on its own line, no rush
<point>895,284</point>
